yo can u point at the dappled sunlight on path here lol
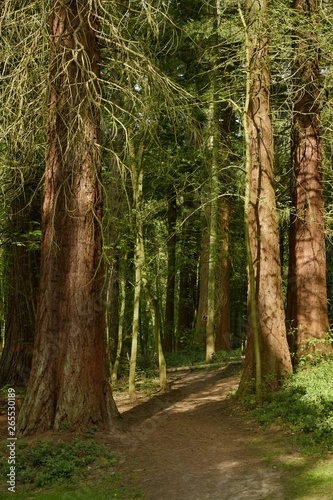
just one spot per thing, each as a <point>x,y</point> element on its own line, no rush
<point>189,444</point>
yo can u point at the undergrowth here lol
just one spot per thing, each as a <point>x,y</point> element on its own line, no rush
<point>46,463</point>
<point>192,357</point>
<point>304,405</point>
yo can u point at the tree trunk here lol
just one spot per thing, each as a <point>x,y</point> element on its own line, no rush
<point>307,296</point>
<point>15,364</point>
<point>121,321</point>
<point>187,280</point>
<point>138,262</point>
<point>158,342</point>
<point>112,313</point>
<point>137,185</point>
<point>223,327</point>
<point>68,383</point>
<point>263,229</point>
<point>169,322</point>
<point>214,190</point>
<point>203,282</point>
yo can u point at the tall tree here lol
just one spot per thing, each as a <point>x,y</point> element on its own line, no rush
<point>223,326</point>
<point>201,320</point>
<point>306,297</point>
<point>188,263</point>
<point>169,321</point>
<point>263,230</point>
<point>68,382</point>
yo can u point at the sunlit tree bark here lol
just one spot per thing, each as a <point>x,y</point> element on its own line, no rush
<point>263,229</point>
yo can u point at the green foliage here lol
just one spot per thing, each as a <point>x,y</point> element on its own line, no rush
<point>226,356</point>
<point>197,357</point>
<point>305,405</point>
<point>186,357</point>
<point>45,463</point>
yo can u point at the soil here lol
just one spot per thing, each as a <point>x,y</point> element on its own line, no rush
<point>192,444</point>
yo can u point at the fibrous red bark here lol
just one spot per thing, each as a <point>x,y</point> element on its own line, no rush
<point>306,298</point>
<point>68,383</point>
<point>264,238</point>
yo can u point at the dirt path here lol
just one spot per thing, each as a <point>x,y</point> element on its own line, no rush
<point>189,445</point>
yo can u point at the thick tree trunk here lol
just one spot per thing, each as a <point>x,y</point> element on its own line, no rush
<point>307,297</point>
<point>169,321</point>
<point>15,364</point>
<point>263,229</point>
<point>223,326</point>
<point>68,383</point>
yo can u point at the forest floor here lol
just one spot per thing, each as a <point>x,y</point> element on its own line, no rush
<point>194,442</point>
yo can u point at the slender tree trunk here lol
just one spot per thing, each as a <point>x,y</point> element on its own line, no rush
<point>210,331</point>
<point>187,280</point>
<point>68,382</point>
<point>169,322</point>
<point>121,321</point>
<point>307,295</point>
<point>137,184</point>
<point>153,305</point>
<point>136,311</point>
<point>203,282</point>
<point>112,313</point>
<point>158,341</point>
<point>223,326</point>
<point>265,277</point>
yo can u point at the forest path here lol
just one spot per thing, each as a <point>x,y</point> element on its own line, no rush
<point>189,444</point>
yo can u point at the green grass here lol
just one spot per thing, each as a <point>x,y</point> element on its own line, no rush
<point>303,475</point>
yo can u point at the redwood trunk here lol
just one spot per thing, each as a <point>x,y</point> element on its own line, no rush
<point>223,327</point>
<point>68,383</point>
<point>307,300</point>
<point>263,228</point>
